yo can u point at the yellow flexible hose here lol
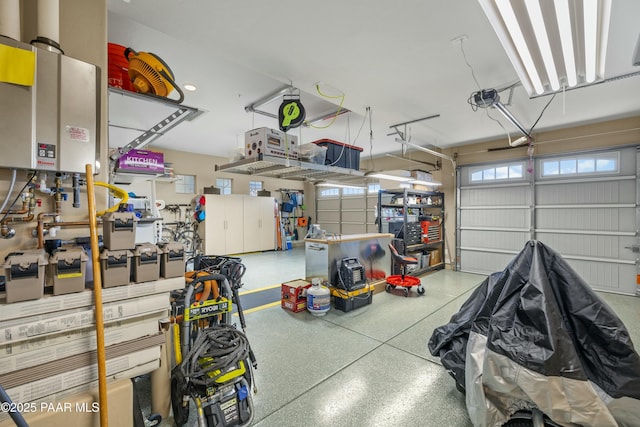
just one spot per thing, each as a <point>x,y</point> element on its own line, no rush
<point>176,343</point>
<point>119,192</point>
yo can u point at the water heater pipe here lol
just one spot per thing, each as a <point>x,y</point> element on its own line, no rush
<point>10,19</point>
<point>48,26</point>
<point>76,190</point>
<point>49,20</point>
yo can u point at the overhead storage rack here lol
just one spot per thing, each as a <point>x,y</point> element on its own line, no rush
<point>276,167</point>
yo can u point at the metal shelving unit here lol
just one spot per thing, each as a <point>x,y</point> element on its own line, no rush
<point>178,114</point>
<point>276,167</point>
<point>403,209</point>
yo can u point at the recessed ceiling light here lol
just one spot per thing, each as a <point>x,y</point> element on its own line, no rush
<point>190,87</point>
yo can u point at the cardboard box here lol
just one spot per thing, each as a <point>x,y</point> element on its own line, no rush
<point>293,295</point>
<point>77,409</point>
<point>435,257</point>
<point>45,386</point>
<point>46,349</point>
<point>296,307</point>
<point>270,142</point>
<point>142,161</point>
<point>22,329</point>
<point>68,302</point>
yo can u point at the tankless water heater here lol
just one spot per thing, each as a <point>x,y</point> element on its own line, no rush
<point>51,125</point>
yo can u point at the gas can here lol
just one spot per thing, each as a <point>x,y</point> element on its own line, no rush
<point>318,298</point>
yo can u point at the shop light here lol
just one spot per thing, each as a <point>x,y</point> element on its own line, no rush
<point>336,185</point>
<point>425,183</point>
<point>552,43</point>
<point>392,175</point>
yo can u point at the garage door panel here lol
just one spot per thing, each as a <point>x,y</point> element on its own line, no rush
<point>606,276</point>
<point>331,228</point>
<point>505,218</point>
<point>505,240</point>
<point>590,192</point>
<point>484,262</point>
<point>501,196</point>
<point>353,228</point>
<point>350,216</point>
<point>328,216</point>
<point>328,204</point>
<point>353,203</point>
<point>596,246</point>
<point>594,219</point>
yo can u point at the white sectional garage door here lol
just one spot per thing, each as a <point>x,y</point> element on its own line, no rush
<point>494,215</point>
<point>584,206</point>
<point>352,213</point>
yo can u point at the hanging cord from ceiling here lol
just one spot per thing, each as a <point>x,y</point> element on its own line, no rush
<point>464,55</point>
<point>364,120</point>
<point>542,113</point>
<point>341,97</point>
<point>373,163</point>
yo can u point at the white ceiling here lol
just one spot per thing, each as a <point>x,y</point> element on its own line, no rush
<point>395,57</point>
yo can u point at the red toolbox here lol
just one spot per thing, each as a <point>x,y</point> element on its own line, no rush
<point>430,231</point>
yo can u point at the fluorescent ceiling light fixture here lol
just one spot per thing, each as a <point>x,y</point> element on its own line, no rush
<point>190,87</point>
<point>427,150</point>
<point>425,183</point>
<point>335,185</point>
<point>393,175</point>
<point>552,43</point>
<point>535,13</point>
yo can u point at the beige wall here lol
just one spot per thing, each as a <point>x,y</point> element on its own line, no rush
<point>203,167</point>
<point>83,35</point>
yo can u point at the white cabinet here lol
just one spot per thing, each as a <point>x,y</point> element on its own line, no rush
<point>259,223</point>
<point>236,224</point>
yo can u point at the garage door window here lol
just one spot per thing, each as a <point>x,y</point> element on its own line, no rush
<point>352,191</point>
<point>508,172</point>
<point>329,192</point>
<point>582,165</point>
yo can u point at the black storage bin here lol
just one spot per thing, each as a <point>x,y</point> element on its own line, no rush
<point>341,154</point>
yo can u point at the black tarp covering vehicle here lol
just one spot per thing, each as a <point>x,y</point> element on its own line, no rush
<point>536,336</point>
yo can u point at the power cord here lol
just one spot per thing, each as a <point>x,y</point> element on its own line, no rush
<point>223,346</point>
<point>341,97</point>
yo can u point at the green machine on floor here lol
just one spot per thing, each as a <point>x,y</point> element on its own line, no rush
<point>214,361</point>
